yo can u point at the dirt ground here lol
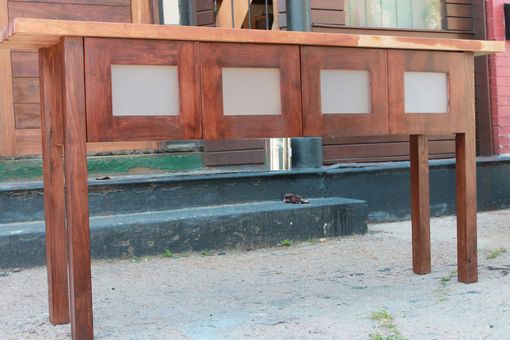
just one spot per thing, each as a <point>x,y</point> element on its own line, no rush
<point>357,287</point>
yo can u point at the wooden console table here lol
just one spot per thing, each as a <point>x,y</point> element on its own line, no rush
<point>305,84</point>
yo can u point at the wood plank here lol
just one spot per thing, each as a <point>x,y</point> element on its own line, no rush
<point>204,5</point>
<point>27,142</point>
<point>326,17</point>
<point>465,2</point>
<point>240,10</point>
<point>467,254</point>
<point>460,24</point>
<point>124,3</point>
<point>456,10</point>
<point>380,139</point>
<point>53,172</point>
<point>326,4</point>
<point>28,116</point>
<point>205,18</point>
<point>235,145</point>
<point>7,121</point>
<point>467,258</point>
<point>50,31</point>
<point>26,90</point>
<point>234,157</point>
<point>382,149</point>
<point>77,210</point>
<point>420,203</point>
<point>68,12</point>
<point>140,12</point>
<point>25,64</point>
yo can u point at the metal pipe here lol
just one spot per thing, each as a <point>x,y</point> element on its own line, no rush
<point>299,15</point>
<point>249,14</point>
<point>267,14</point>
<point>278,154</point>
<point>187,13</point>
<point>233,14</point>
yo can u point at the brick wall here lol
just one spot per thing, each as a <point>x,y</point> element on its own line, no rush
<point>499,72</point>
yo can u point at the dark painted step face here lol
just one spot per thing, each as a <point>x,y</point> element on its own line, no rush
<point>244,226</point>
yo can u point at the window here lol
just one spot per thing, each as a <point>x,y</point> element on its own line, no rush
<point>418,14</point>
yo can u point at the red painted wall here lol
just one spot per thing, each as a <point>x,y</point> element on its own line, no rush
<point>499,73</point>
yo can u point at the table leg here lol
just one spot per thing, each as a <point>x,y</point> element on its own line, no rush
<point>467,261</point>
<point>76,188</point>
<point>53,170</point>
<point>420,206</point>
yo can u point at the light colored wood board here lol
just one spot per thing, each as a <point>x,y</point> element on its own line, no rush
<point>7,123</point>
<point>26,90</point>
<point>27,142</point>
<point>140,12</point>
<point>30,33</point>
<point>28,116</point>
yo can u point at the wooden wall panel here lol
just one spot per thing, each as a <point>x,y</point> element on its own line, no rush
<point>25,64</point>
<point>458,15</point>
<point>7,123</point>
<point>125,3</point>
<point>26,90</point>
<point>28,116</point>
<point>205,13</point>
<point>69,11</point>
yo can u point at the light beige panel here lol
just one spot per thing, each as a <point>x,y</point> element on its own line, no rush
<point>171,14</point>
<point>145,90</point>
<point>426,92</point>
<point>251,91</point>
<point>345,92</point>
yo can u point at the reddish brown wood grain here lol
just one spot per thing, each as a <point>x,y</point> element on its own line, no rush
<point>467,254</point>
<point>28,116</point>
<point>26,90</point>
<point>313,59</point>
<point>452,121</point>
<point>53,170</point>
<point>102,126</point>
<point>76,188</point>
<point>69,11</point>
<point>467,260</point>
<point>25,64</point>
<point>218,126</point>
<point>420,203</point>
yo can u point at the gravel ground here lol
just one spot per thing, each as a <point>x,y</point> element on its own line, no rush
<point>357,287</point>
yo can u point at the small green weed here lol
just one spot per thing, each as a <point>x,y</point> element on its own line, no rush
<point>168,253</point>
<point>286,243</point>
<point>495,253</point>
<point>386,322</point>
<point>383,317</point>
<point>206,253</point>
<point>446,279</point>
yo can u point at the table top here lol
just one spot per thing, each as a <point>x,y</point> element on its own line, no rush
<point>22,33</point>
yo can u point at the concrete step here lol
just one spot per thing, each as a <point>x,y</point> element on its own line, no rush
<point>385,188</point>
<point>234,226</point>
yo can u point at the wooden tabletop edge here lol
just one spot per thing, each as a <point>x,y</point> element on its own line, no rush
<point>44,32</point>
